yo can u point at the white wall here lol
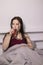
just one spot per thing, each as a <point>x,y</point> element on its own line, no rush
<point>31,12</point>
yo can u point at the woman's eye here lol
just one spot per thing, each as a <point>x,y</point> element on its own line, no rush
<point>17,24</point>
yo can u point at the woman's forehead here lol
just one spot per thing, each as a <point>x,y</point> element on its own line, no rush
<point>15,21</point>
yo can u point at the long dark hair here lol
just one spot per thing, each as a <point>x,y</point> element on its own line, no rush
<point>20,21</point>
<point>22,25</point>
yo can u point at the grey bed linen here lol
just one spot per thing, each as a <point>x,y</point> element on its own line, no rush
<point>20,55</point>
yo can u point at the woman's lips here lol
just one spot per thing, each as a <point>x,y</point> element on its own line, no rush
<point>15,31</point>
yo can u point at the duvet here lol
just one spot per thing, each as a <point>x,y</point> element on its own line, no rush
<point>20,55</point>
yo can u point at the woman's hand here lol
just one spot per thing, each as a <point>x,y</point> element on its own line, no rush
<point>29,42</point>
<point>11,31</point>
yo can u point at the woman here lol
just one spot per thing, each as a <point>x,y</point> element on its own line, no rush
<point>17,32</point>
<point>16,45</point>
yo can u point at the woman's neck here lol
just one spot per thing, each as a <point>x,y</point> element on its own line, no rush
<point>19,36</point>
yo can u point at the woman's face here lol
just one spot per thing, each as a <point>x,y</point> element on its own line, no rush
<point>16,25</point>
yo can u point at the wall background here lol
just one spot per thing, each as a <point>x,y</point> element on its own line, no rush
<point>31,12</point>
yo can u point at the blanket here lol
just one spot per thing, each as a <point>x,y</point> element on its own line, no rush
<point>20,54</point>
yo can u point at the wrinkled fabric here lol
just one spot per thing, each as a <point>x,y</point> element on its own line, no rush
<point>20,55</point>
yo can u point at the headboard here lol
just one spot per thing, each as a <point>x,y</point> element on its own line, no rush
<point>36,37</point>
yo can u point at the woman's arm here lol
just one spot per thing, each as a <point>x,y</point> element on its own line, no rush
<point>29,42</point>
<point>6,41</point>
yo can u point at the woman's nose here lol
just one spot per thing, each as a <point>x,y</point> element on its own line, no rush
<point>15,26</point>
